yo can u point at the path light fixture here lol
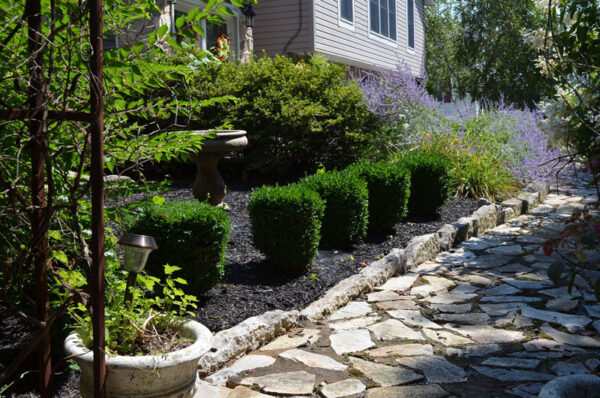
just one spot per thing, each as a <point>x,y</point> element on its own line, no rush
<point>136,249</point>
<point>171,4</point>
<point>250,14</point>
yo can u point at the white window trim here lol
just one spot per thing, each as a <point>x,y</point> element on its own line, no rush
<point>378,37</point>
<point>409,49</point>
<point>343,22</point>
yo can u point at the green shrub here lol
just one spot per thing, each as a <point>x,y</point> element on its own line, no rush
<point>346,207</point>
<point>189,234</point>
<point>389,190</point>
<point>429,182</point>
<point>286,224</point>
<point>302,114</point>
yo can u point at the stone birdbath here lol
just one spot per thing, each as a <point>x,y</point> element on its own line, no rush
<point>208,183</point>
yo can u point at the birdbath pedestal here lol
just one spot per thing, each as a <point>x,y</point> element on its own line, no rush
<point>208,183</point>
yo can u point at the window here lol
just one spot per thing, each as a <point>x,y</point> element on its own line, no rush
<point>410,11</point>
<point>382,14</point>
<point>347,11</point>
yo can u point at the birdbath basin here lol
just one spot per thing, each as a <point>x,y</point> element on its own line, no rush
<point>209,183</point>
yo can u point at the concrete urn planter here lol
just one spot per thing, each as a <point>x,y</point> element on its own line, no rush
<point>172,375</point>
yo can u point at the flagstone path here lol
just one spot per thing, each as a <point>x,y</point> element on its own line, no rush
<point>482,320</point>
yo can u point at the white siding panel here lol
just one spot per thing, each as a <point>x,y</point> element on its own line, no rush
<point>277,21</point>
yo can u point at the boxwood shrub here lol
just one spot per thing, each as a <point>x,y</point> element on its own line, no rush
<point>429,182</point>
<point>389,189</point>
<point>286,224</point>
<point>189,234</point>
<point>346,207</point>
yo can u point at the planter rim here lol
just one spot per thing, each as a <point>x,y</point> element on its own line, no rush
<point>221,133</point>
<point>203,340</point>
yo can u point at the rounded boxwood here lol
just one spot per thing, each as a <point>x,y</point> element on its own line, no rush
<point>389,190</point>
<point>429,182</point>
<point>191,235</point>
<point>346,207</point>
<point>286,224</point>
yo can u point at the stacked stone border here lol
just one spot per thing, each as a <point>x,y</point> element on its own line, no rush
<point>256,331</point>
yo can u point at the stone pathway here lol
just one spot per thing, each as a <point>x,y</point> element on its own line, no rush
<point>482,320</point>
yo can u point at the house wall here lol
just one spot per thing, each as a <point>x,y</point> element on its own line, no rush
<point>357,47</point>
<point>277,21</point>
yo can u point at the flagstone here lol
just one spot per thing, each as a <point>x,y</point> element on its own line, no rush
<point>343,388</point>
<point>503,362</point>
<point>545,344</point>
<point>399,283</point>
<point>535,276</point>
<point>478,350</point>
<point>401,349</point>
<point>514,319</point>
<point>451,298</point>
<point>351,341</point>
<point>512,374</point>
<point>596,325</point>
<point>526,390</point>
<point>487,261</point>
<point>464,288</point>
<point>431,267</point>
<point>519,284</point>
<point>474,244</point>
<point>501,309</point>
<point>555,317</point>
<point>531,239</point>
<point>538,354</point>
<point>510,299</point>
<point>453,308</point>
<point>512,250</point>
<point>487,334</point>
<point>414,391</point>
<point>397,305</point>
<point>456,256</point>
<point>312,360</point>
<point>241,392</point>
<point>393,329</point>
<point>512,269</point>
<point>570,339</point>
<point>593,310</point>
<point>561,292</point>
<point>305,337</point>
<point>473,318</point>
<point>357,323</point>
<point>384,375</point>
<point>426,290</point>
<point>384,295</point>
<point>291,383</point>
<point>353,309</point>
<point>446,338</point>
<point>249,362</point>
<point>436,369</point>
<point>476,280</point>
<point>561,305</point>
<point>500,290</point>
<point>414,318</point>
<point>566,368</point>
<point>209,390</point>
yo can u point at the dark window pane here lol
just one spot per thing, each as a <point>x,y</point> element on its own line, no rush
<point>374,10</point>
<point>411,23</point>
<point>384,19</point>
<point>392,19</point>
<point>346,10</point>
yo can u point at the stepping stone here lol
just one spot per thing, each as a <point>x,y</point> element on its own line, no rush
<point>479,350</point>
<point>399,283</point>
<point>453,308</point>
<point>385,376</point>
<point>545,344</point>
<point>562,305</point>
<point>593,310</point>
<point>556,317</point>
<point>487,261</point>
<point>535,285</point>
<point>343,388</point>
<point>358,323</point>
<point>393,329</point>
<point>384,295</point>
<point>416,391</point>
<point>353,309</point>
<point>450,298</point>
<point>500,290</point>
<point>435,368</point>
<point>209,390</point>
<point>446,338</point>
<point>561,292</point>
<point>570,339</point>
<point>351,341</point>
<point>402,349</point>
<point>512,374</point>
<point>397,305</point>
<point>414,318</point>
<point>501,362</point>
<point>566,368</point>
<point>242,392</point>
<point>512,250</point>
<point>514,319</point>
<point>487,334</point>
<point>473,318</point>
<point>305,337</point>
<point>501,309</point>
<point>249,362</point>
<point>510,299</point>
<point>464,288</point>
<point>457,256</point>
<point>291,383</point>
<point>313,360</point>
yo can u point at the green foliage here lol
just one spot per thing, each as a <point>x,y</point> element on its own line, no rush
<point>346,207</point>
<point>189,234</point>
<point>429,183</point>
<point>286,224</point>
<point>389,190</point>
<point>300,114</point>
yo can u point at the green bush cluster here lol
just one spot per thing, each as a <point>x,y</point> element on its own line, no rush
<point>302,114</point>
<point>389,189</point>
<point>190,235</point>
<point>346,207</point>
<point>286,224</point>
<point>429,182</point>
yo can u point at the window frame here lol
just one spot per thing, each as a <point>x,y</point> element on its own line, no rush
<point>344,23</point>
<point>378,36</point>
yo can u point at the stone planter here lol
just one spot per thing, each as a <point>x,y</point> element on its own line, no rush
<point>172,375</point>
<point>209,183</point>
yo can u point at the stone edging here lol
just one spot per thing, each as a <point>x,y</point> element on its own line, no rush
<point>255,331</point>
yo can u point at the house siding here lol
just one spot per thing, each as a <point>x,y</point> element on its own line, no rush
<point>358,47</point>
<point>277,21</point>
